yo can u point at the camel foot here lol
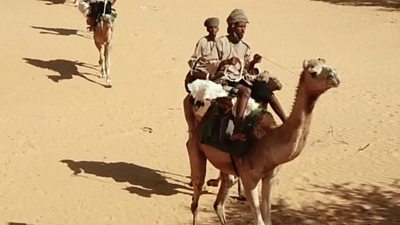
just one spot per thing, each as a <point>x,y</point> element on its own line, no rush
<point>108,83</point>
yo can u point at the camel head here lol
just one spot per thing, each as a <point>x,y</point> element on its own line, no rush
<point>317,77</point>
<point>107,20</point>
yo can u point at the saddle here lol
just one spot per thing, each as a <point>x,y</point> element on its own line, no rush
<point>217,127</point>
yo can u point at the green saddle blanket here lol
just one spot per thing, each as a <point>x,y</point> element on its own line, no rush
<point>214,131</point>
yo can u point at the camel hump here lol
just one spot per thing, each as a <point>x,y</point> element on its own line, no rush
<point>264,122</point>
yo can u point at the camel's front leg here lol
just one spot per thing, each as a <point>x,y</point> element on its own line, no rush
<point>227,181</point>
<point>241,194</point>
<point>107,64</point>
<point>250,187</point>
<point>198,163</point>
<point>266,195</point>
<point>100,48</point>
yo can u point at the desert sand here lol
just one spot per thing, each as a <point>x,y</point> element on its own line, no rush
<point>76,153</point>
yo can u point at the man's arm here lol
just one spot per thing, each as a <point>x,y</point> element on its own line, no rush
<point>196,54</point>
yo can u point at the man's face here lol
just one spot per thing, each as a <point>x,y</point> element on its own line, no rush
<point>212,30</point>
<point>240,28</point>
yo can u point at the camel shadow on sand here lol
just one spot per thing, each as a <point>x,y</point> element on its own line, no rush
<point>54,2</point>
<point>60,31</point>
<point>13,223</point>
<point>66,69</point>
<point>356,205</point>
<point>145,181</point>
<point>389,5</point>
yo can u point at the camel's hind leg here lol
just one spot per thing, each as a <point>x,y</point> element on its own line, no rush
<point>241,194</point>
<point>107,64</point>
<point>198,162</point>
<point>191,122</point>
<point>227,181</point>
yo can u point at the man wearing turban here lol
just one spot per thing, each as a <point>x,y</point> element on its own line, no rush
<point>235,56</point>
<point>204,60</point>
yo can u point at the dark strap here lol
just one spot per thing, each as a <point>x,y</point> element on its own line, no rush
<point>234,165</point>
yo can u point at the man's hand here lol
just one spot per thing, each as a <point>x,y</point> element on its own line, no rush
<point>233,61</point>
<point>257,58</point>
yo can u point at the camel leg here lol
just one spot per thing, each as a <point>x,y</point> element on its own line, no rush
<point>266,193</point>
<point>250,187</point>
<point>227,181</point>
<point>107,64</point>
<point>241,194</point>
<point>189,115</point>
<point>99,47</point>
<point>198,163</point>
<point>190,120</point>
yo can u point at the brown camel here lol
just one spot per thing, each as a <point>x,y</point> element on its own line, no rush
<point>102,36</point>
<point>273,146</point>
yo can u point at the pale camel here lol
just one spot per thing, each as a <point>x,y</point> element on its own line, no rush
<point>273,146</point>
<point>102,35</point>
<point>102,25</point>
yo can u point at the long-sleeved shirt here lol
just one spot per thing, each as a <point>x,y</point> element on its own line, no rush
<point>206,50</point>
<point>227,49</point>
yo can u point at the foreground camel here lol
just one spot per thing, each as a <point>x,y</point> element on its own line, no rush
<point>274,146</point>
<point>102,35</point>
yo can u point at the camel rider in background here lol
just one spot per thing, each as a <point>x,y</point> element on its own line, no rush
<point>97,9</point>
<point>204,60</point>
<point>232,53</point>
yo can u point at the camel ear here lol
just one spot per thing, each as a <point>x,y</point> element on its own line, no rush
<point>305,63</point>
<point>321,60</point>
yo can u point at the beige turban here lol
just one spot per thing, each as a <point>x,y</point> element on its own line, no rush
<point>237,15</point>
<point>211,22</point>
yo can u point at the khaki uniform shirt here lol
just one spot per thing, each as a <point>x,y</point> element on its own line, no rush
<point>205,49</point>
<point>227,49</point>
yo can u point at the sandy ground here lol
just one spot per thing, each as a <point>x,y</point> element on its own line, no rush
<point>76,153</point>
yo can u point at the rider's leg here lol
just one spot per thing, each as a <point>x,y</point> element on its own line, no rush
<point>276,106</point>
<point>242,99</point>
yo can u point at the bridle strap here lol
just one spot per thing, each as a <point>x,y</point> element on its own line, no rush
<point>104,8</point>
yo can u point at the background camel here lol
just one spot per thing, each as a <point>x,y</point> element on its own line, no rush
<point>102,36</point>
<point>102,31</point>
<point>273,146</point>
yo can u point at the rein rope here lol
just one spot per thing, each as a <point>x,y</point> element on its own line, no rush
<point>280,66</point>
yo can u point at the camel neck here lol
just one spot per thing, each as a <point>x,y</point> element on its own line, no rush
<point>294,131</point>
